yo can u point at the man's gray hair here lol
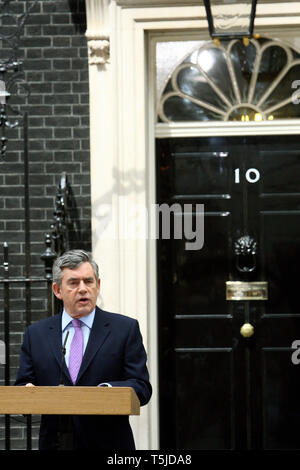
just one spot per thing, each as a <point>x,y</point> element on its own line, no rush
<point>72,259</point>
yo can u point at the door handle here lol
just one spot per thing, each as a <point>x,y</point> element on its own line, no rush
<point>247,330</point>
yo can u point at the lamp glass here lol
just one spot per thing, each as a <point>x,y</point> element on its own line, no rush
<point>3,92</point>
<point>230,16</point>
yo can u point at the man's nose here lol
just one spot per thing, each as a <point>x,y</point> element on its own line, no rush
<point>82,286</point>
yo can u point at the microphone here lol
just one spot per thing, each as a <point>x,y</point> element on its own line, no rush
<point>63,353</point>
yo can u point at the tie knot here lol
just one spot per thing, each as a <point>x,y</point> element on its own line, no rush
<point>76,323</point>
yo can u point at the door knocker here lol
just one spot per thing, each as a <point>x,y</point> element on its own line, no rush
<point>245,250</point>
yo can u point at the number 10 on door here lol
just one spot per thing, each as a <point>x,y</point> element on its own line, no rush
<point>252,175</point>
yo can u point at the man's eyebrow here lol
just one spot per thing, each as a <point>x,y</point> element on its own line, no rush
<point>88,278</point>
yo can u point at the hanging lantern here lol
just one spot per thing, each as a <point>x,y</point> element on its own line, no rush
<point>230,19</point>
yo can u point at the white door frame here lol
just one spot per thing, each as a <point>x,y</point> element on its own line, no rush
<point>122,135</point>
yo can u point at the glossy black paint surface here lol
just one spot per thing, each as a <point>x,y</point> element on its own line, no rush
<point>219,390</point>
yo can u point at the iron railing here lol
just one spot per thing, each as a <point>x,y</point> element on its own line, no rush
<point>13,16</point>
<point>56,243</point>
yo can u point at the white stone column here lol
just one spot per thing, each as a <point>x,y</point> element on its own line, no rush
<point>102,145</point>
<point>115,176</point>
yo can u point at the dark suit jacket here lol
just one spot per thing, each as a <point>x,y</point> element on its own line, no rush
<point>114,354</point>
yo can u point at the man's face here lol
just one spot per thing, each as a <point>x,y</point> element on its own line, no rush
<point>78,291</point>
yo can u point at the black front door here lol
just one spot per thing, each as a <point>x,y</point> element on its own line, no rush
<point>222,387</point>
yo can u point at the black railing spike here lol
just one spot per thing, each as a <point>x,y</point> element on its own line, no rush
<point>48,256</point>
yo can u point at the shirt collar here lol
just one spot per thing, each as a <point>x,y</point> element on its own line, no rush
<point>87,320</point>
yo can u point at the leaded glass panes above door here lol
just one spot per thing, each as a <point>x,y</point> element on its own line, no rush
<point>230,82</point>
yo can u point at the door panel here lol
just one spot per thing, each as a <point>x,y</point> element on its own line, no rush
<point>206,424</point>
<point>196,171</point>
<point>193,293</point>
<point>219,390</point>
<point>280,385</point>
<point>281,236</point>
<point>280,166</point>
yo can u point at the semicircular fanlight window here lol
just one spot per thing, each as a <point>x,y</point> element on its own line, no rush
<point>234,82</point>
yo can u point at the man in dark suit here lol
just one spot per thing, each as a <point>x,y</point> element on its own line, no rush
<point>112,350</point>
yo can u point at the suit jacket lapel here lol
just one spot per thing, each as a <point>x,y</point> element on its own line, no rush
<point>99,332</point>
<point>55,340</point>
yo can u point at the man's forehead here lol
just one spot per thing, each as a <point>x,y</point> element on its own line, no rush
<point>84,270</point>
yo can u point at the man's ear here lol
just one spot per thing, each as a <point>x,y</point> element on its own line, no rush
<point>56,290</point>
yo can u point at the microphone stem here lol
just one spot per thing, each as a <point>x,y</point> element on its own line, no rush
<point>63,353</point>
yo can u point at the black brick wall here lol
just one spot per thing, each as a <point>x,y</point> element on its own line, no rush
<point>54,51</point>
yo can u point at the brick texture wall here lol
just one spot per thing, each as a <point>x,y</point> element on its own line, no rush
<point>54,51</point>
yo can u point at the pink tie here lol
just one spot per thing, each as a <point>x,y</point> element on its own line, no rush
<point>76,350</point>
